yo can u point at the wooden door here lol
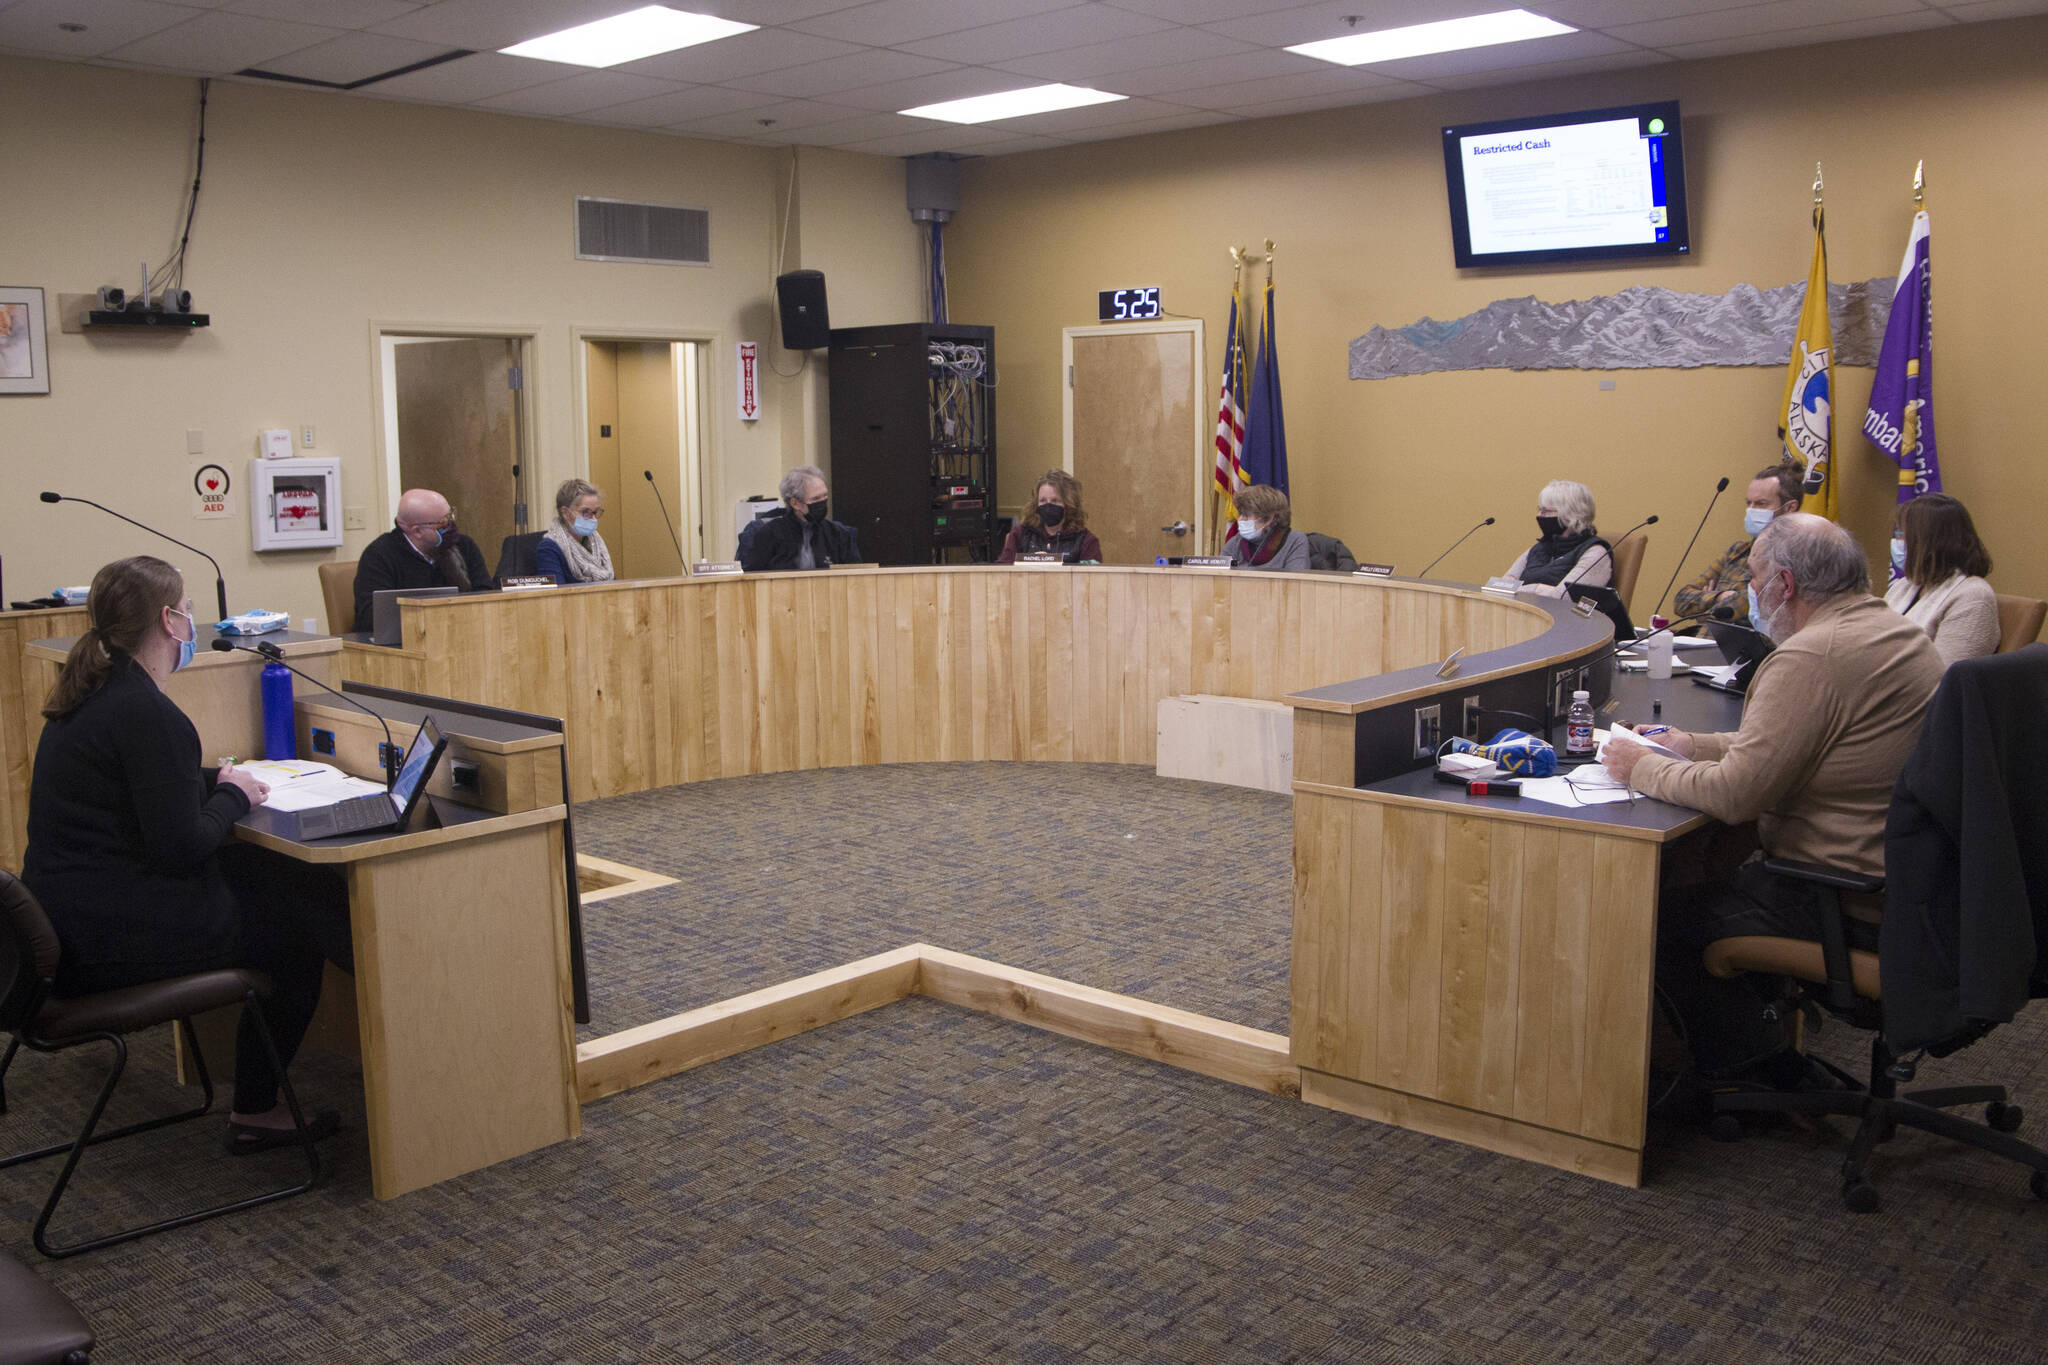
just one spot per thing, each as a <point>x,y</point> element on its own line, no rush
<point>1134,435</point>
<point>458,433</point>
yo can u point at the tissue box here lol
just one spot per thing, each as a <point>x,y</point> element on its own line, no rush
<point>72,597</point>
<point>254,623</point>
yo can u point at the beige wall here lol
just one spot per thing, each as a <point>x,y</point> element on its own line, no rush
<point>323,215</point>
<point>1355,199</point>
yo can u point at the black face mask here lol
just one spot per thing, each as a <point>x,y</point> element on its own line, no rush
<point>1051,513</point>
<point>1551,527</point>
<point>815,512</point>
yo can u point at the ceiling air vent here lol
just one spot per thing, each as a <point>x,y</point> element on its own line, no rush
<point>652,234</point>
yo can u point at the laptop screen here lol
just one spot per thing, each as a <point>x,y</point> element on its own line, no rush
<point>418,755</point>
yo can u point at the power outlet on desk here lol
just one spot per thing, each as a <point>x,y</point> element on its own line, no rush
<point>323,741</point>
<point>1468,717</point>
<point>1429,725</point>
<point>464,777</point>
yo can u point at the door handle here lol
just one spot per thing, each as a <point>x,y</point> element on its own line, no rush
<point>1179,528</point>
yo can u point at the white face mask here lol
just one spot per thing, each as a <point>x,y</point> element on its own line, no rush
<point>1247,528</point>
<point>1898,554</point>
<point>1755,519</point>
<point>1766,620</point>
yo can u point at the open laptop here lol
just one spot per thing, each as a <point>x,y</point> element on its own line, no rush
<point>383,810</point>
<point>384,611</point>
<point>1742,646</point>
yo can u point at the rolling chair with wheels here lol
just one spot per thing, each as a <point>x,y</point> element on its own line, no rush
<point>519,555</point>
<point>44,1022</point>
<point>1960,951</point>
<point>1628,563</point>
<point>338,595</point>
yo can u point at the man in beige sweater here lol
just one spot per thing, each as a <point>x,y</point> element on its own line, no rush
<point>1832,714</point>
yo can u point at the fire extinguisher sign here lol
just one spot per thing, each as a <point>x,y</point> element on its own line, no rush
<point>750,381</point>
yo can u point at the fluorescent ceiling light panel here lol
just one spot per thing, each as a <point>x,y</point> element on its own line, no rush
<point>627,37</point>
<point>1419,40</point>
<point>1038,99</point>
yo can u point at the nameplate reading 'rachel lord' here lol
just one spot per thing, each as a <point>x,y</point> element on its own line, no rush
<point>1039,559</point>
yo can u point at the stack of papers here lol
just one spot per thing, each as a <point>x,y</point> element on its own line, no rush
<point>301,784</point>
<point>1590,784</point>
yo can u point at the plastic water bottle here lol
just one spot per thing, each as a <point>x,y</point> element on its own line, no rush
<point>1578,726</point>
<point>1659,647</point>
<point>280,733</point>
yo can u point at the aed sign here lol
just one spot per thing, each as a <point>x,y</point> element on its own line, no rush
<point>210,493</point>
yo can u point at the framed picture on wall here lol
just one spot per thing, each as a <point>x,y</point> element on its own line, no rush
<point>24,342</point>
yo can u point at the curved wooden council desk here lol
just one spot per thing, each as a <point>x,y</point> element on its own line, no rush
<point>1476,970</point>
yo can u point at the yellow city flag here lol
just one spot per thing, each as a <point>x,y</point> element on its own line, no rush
<point>1806,419</point>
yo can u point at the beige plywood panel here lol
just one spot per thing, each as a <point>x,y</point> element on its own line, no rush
<point>1134,399</point>
<point>456,433</point>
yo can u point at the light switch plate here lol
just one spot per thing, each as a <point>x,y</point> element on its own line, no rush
<point>352,519</point>
<point>306,438</point>
<point>195,441</point>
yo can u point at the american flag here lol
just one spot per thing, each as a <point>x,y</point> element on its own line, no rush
<point>1229,472</point>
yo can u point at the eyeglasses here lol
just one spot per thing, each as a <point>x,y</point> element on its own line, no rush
<point>595,515</point>
<point>443,524</point>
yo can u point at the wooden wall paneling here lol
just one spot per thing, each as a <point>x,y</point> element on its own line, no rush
<point>24,686</point>
<point>1501,1021</point>
<point>1570,944</point>
<point>1062,681</point>
<point>922,716</point>
<point>1028,628</point>
<point>809,626</point>
<point>1101,671</point>
<point>953,661</point>
<point>1620,968</point>
<point>974,611</point>
<point>1325,747</point>
<point>694,683</point>
<point>1323,859</point>
<point>1360,984</point>
<point>1411,948</point>
<point>404,669</point>
<point>738,749</point>
<point>1467,929</point>
<point>1540,999</point>
<point>1136,719</point>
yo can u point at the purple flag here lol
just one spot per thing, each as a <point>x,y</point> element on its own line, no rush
<point>1900,421</point>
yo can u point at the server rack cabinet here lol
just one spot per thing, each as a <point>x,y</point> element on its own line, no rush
<point>914,440</point>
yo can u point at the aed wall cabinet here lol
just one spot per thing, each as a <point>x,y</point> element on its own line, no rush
<point>295,504</point>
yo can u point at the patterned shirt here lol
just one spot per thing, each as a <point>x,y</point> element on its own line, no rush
<point>1729,574</point>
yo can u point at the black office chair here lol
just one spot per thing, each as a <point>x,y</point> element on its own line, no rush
<point>519,556</point>
<point>1981,728</point>
<point>36,1017</point>
<point>1328,552</point>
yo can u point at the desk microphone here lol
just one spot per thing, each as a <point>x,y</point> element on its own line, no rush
<point>666,522</point>
<point>223,645</point>
<point>1719,489</point>
<point>1646,521</point>
<point>1717,614</point>
<point>1454,545</point>
<point>220,584</point>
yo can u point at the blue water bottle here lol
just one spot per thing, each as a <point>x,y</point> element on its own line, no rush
<point>280,738</point>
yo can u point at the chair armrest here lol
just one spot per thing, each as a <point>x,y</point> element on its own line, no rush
<point>1841,879</point>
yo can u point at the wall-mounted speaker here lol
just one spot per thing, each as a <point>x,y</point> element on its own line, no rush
<point>806,326</point>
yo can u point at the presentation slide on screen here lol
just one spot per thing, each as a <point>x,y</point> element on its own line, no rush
<point>1584,184</point>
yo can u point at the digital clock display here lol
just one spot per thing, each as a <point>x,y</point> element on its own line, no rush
<point>1128,305</point>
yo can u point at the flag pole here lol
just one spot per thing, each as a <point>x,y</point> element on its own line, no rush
<point>1920,185</point>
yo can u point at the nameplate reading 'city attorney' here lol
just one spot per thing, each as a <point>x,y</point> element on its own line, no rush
<point>712,568</point>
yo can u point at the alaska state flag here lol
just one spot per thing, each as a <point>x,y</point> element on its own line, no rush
<point>1265,426</point>
<point>1900,421</point>
<point>1806,419</point>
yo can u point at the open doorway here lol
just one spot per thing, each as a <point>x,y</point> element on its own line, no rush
<point>644,414</point>
<point>457,418</point>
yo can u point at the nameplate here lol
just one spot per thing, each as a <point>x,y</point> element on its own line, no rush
<point>1506,586</point>
<point>1375,570</point>
<point>1039,559</point>
<point>1206,561</point>
<point>518,582</point>
<point>714,568</point>
<point>1584,607</point>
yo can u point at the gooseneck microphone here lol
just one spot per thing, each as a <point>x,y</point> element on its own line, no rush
<point>267,650</point>
<point>649,474</point>
<point>220,584</point>
<point>1454,545</point>
<point>1719,489</point>
<point>1717,614</point>
<point>1646,521</point>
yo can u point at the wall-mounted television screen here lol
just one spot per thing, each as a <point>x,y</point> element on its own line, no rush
<point>1600,184</point>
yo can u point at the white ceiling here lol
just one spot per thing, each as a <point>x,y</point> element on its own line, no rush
<point>832,72</point>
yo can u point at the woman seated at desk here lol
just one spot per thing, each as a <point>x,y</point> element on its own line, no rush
<point>132,852</point>
<point>1264,536</point>
<point>571,550</point>
<point>1941,587</point>
<point>1571,550</point>
<point>1053,524</point>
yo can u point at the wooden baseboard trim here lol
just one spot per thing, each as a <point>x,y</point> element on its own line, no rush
<point>635,1056</point>
<point>1510,1137</point>
<point>1161,1033</point>
<point>600,879</point>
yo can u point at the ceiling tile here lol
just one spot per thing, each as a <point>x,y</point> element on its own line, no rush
<point>1996,9</point>
<point>1563,47</point>
<point>1400,90</point>
<point>469,79</point>
<point>1012,142</point>
<point>1049,32</point>
<point>1104,61</point>
<point>580,94</point>
<point>1060,122</point>
<point>332,13</point>
<point>663,111</point>
<point>1619,61</point>
<point>1194,118</point>
<point>352,57</point>
<point>767,12</point>
<point>1331,81</point>
<point>1248,66</point>
<point>1607,13</point>
<point>865,127</point>
<point>222,42</point>
<point>109,24</point>
<point>956,84</point>
<point>928,139</point>
<point>1325,19</point>
<point>1203,11</point>
<point>1824,33</point>
<point>886,23</point>
<point>1776,16</point>
<point>744,54</point>
<point>488,25</point>
<point>787,115</point>
<point>872,66</point>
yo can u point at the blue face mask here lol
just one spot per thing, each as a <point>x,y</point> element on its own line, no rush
<point>186,648</point>
<point>1755,519</point>
<point>1755,620</point>
<point>584,526</point>
<point>1898,554</point>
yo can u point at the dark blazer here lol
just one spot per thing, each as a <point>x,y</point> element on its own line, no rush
<point>1964,942</point>
<point>778,539</point>
<point>390,562</point>
<point>123,825</point>
<point>1073,547</point>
